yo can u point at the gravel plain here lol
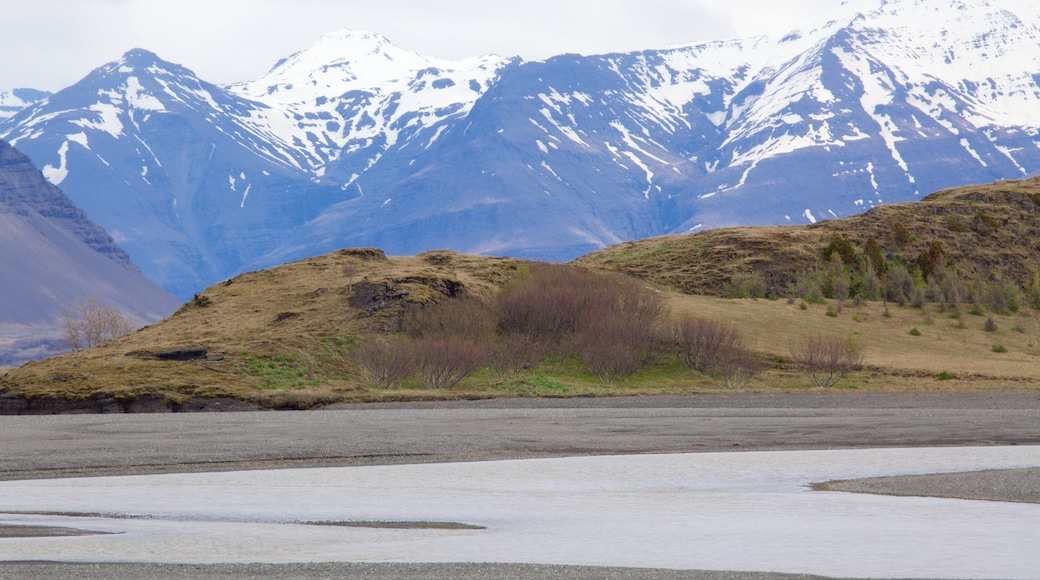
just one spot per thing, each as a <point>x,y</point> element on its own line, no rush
<point>91,445</point>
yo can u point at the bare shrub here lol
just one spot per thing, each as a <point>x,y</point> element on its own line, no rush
<point>734,367</point>
<point>515,353</point>
<point>440,363</point>
<point>385,363</point>
<point>899,285</point>
<point>91,324</point>
<point>546,305</point>
<point>1001,296</point>
<point>699,343</point>
<point>614,346</point>
<point>556,304</point>
<point>826,359</point>
<point>464,318</point>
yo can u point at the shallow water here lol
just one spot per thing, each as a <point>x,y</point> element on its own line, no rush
<point>748,511</point>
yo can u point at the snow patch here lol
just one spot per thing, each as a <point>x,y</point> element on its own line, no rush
<point>56,175</point>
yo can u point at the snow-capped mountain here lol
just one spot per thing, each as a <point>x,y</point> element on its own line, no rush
<point>352,96</point>
<point>15,100</point>
<point>354,141</point>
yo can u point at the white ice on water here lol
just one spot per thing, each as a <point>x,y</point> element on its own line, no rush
<point>750,511</point>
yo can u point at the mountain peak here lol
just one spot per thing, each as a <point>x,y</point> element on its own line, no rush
<point>139,55</point>
<point>355,55</point>
<point>348,60</point>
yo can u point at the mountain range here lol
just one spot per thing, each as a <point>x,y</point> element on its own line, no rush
<point>356,142</point>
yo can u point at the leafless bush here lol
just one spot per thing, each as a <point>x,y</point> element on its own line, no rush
<point>734,367</point>
<point>442,362</point>
<point>463,318</point>
<point>516,352</point>
<point>615,346</point>
<point>699,343</point>
<point>826,359</point>
<point>91,324</point>
<point>555,305</point>
<point>387,362</point>
<point>546,305</point>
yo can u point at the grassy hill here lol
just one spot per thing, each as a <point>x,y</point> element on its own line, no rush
<point>989,231</point>
<point>289,337</point>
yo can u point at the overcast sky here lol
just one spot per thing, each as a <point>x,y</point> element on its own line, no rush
<point>51,44</point>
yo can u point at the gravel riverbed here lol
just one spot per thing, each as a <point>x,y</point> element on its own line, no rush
<point>92,445</point>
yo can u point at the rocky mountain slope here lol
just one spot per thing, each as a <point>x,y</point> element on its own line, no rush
<point>52,256</point>
<point>355,142</point>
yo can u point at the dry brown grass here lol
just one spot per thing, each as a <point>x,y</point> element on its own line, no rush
<point>992,231</point>
<point>300,319</point>
<point>286,337</point>
<point>894,358</point>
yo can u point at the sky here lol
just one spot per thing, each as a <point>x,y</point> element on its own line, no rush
<point>51,44</point>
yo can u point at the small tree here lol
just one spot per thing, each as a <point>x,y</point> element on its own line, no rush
<point>350,270</point>
<point>91,324</point>
<point>826,359</point>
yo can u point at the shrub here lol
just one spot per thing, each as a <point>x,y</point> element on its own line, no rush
<point>990,325</point>
<point>699,343</point>
<point>91,324</point>
<point>843,249</point>
<point>945,376</point>
<point>734,367</point>
<point>385,363</point>
<point>614,347</point>
<point>899,285</point>
<point>874,257</point>
<point>826,359</point>
<point>463,318</point>
<point>608,320</point>
<point>746,285</point>
<point>1000,296</point>
<point>900,233</point>
<point>807,286</point>
<point>546,304</point>
<point>514,353</point>
<point>914,332</point>
<point>954,224</point>
<point>617,339</point>
<point>999,348</point>
<point>440,363</point>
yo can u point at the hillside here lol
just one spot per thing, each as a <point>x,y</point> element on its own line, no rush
<point>289,337</point>
<point>986,231</point>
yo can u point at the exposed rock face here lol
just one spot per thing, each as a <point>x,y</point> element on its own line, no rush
<point>52,255</point>
<point>24,192</point>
